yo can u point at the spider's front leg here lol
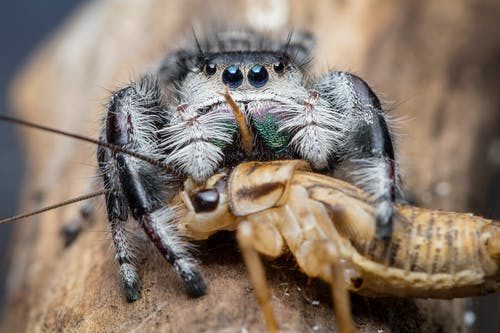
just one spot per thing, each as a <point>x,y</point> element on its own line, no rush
<point>133,118</point>
<point>366,152</point>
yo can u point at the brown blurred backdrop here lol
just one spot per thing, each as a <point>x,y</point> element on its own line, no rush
<point>435,64</point>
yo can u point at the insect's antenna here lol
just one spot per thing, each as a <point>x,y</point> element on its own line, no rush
<point>245,131</point>
<point>58,205</point>
<point>111,146</point>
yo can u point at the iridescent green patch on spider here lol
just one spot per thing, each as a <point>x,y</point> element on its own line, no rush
<point>229,127</point>
<point>269,131</point>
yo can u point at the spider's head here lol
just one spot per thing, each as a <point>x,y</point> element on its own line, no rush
<point>250,76</point>
<point>266,79</point>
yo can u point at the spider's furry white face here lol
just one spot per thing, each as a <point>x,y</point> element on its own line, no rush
<point>265,87</point>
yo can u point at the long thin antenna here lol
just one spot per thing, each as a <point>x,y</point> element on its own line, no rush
<point>58,205</point>
<point>153,162</point>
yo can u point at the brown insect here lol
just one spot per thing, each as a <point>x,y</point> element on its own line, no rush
<point>329,227</point>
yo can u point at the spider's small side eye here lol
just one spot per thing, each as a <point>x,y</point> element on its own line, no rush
<point>279,67</point>
<point>210,69</point>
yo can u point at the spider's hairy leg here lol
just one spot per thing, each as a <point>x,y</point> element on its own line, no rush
<point>117,216</point>
<point>133,118</point>
<point>367,145</point>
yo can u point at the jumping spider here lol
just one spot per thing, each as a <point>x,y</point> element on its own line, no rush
<point>175,114</point>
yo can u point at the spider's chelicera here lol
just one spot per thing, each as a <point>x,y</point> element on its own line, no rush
<point>177,115</point>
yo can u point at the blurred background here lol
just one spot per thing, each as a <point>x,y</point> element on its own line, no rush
<point>24,25</point>
<point>437,64</point>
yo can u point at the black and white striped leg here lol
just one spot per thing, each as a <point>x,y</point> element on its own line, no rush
<point>160,232</point>
<point>140,188</point>
<point>124,248</point>
<point>117,216</point>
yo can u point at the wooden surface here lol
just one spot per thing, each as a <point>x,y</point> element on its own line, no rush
<point>434,63</point>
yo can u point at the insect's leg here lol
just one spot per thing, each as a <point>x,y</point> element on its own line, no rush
<point>338,286</point>
<point>340,296</point>
<point>133,119</point>
<point>367,142</point>
<point>330,267</point>
<point>265,238</point>
<point>316,245</point>
<point>72,230</point>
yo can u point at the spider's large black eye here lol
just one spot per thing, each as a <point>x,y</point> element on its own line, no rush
<point>210,69</point>
<point>258,76</point>
<point>232,76</point>
<point>279,67</point>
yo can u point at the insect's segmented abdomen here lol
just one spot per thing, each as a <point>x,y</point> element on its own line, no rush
<point>430,254</point>
<point>437,254</point>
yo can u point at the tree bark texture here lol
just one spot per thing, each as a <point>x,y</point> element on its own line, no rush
<point>434,63</point>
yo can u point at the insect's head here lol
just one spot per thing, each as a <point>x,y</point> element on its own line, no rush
<point>206,208</point>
